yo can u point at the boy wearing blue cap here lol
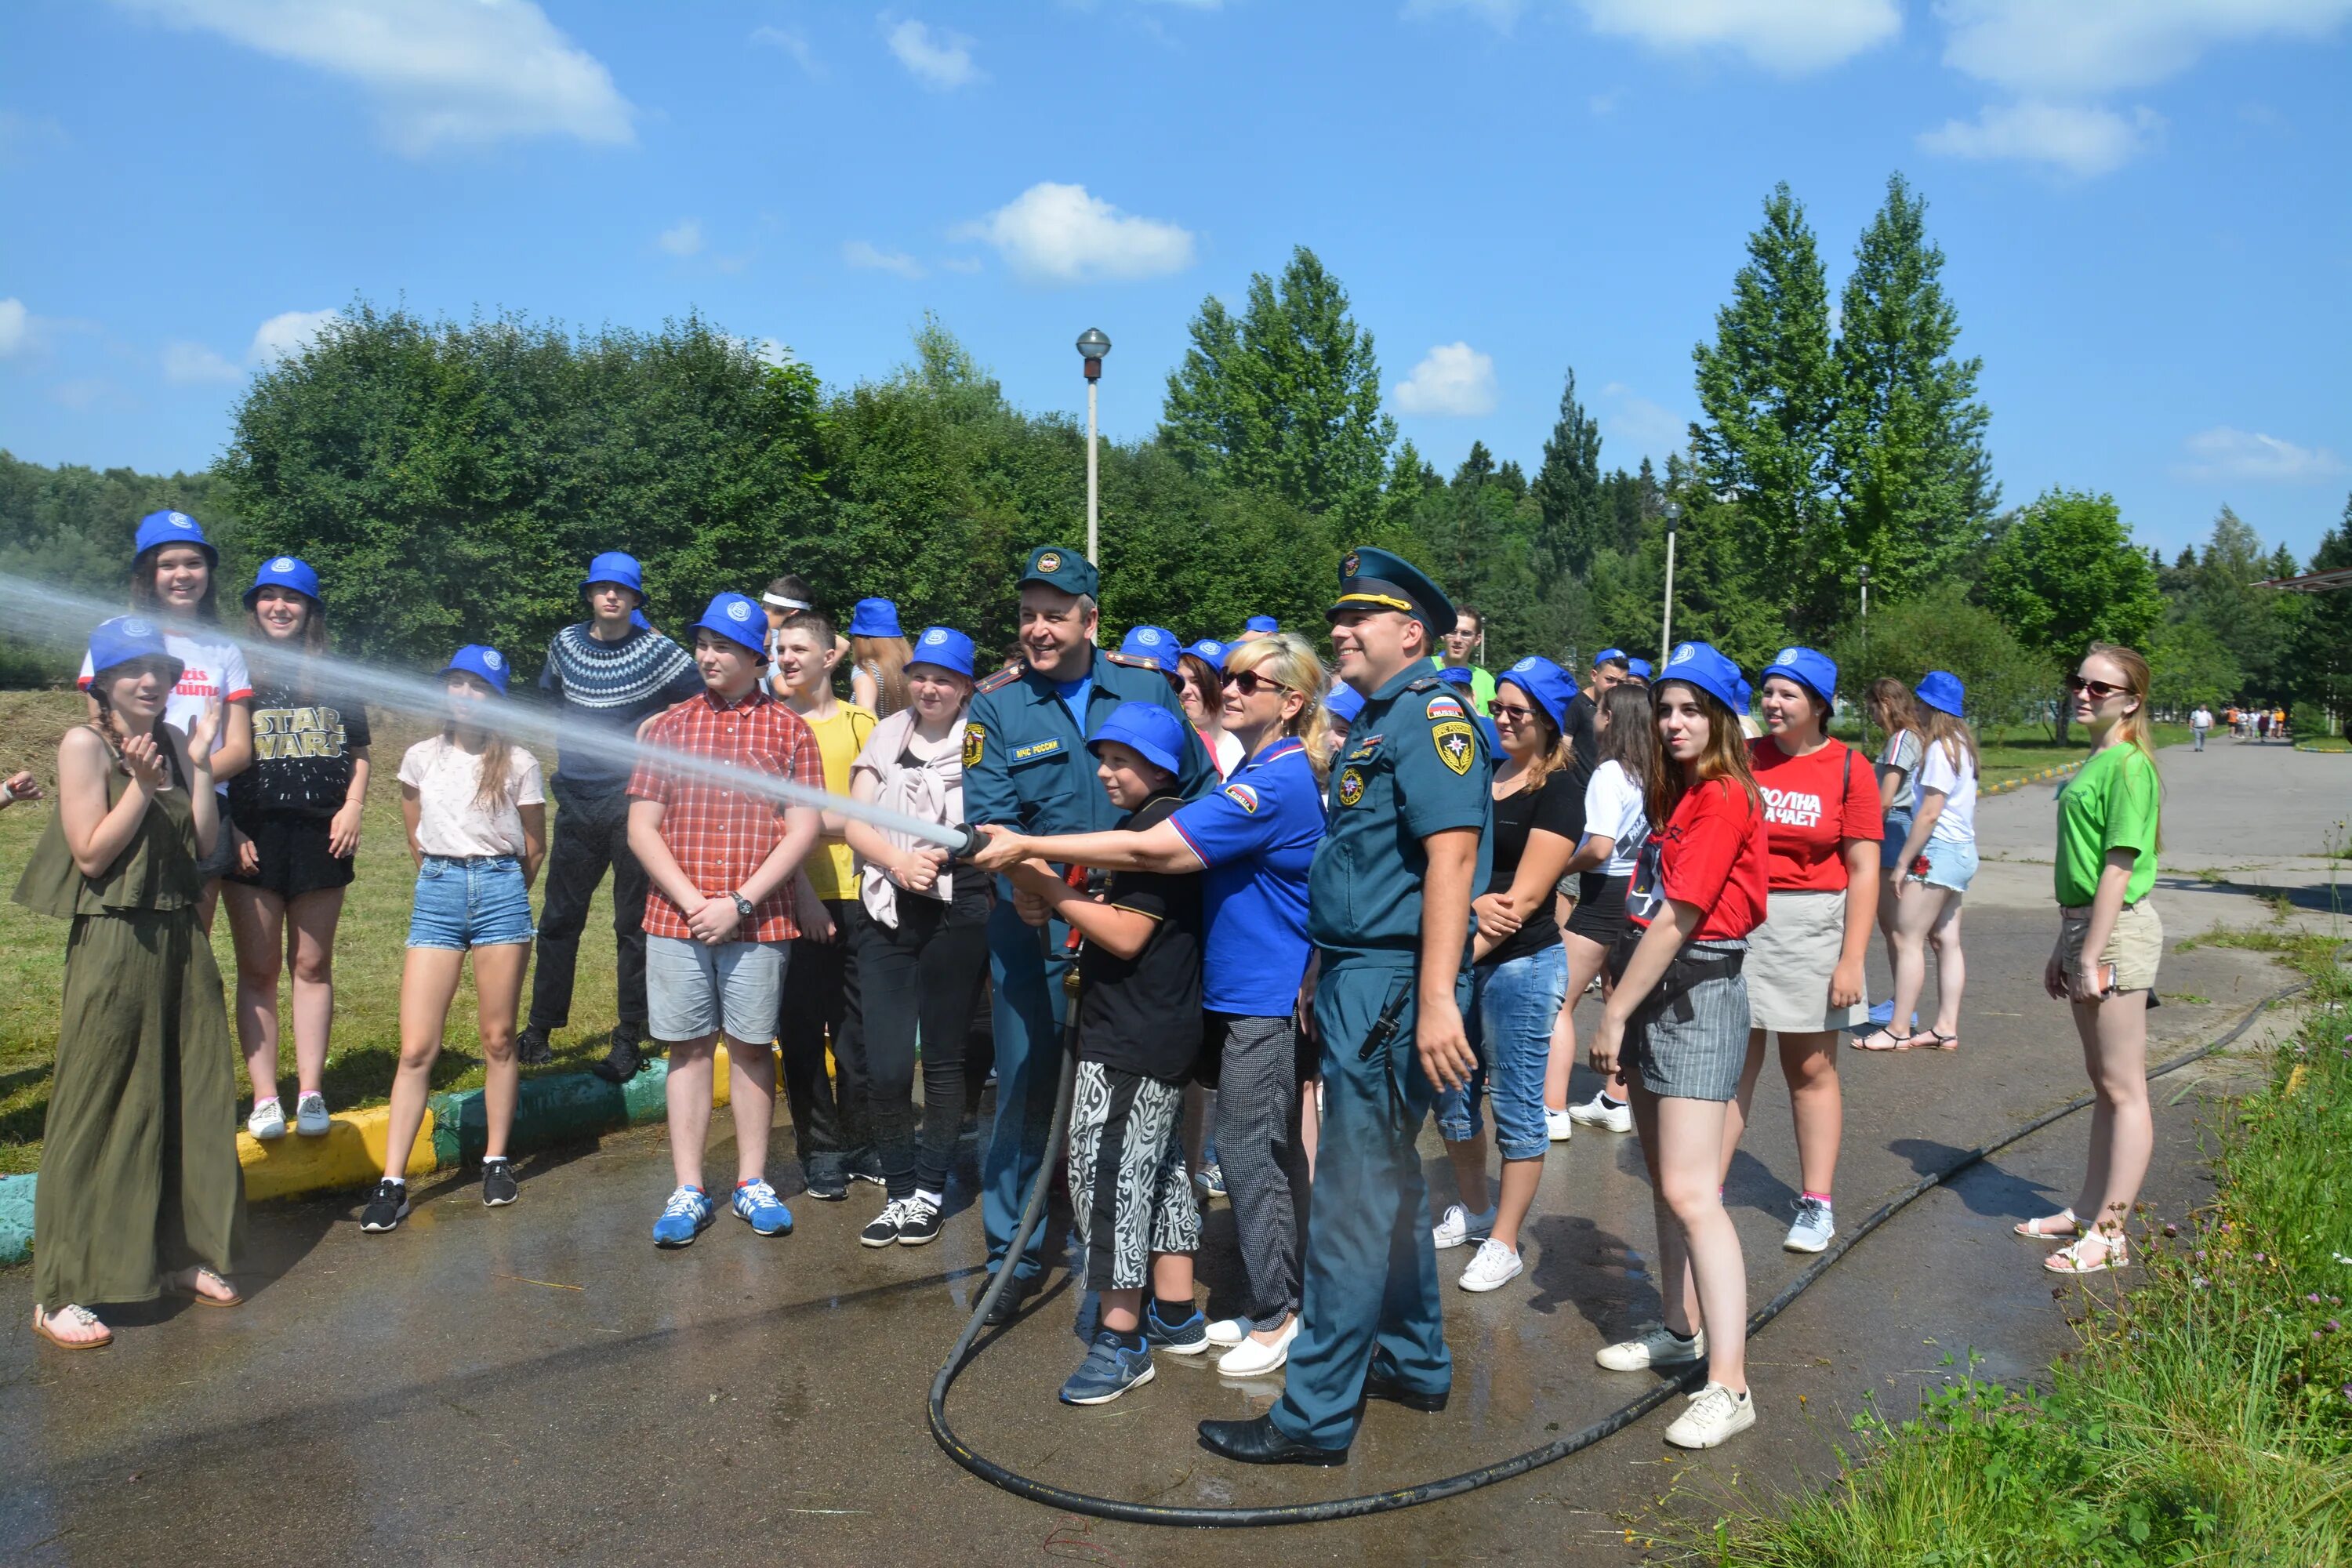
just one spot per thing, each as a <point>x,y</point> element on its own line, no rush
<point>1139,1037</point>
<point>610,675</point>
<point>1610,665</point>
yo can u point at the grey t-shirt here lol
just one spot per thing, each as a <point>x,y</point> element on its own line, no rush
<point>1902,753</point>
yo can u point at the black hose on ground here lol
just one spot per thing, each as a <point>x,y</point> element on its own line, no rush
<point>997,1475</point>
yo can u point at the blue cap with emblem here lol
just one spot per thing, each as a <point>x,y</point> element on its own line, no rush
<point>158,528</point>
<point>738,619</point>
<point>1548,686</point>
<point>1610,656</point>
<point>874,618</point>
<point>946,648</point>
<point>1157,644</point>
<point>1155,733</point>
<point>1697,664</point>
<point>1344,702</point>
<point>1808,668</point>
<point>1210,652</point>
<point>284,572</point>
<point>1266,624</point>
<point>1373,579</point>
<point>1059,567</point>
<point>1639,668</point>
<point>482,662</point>
<point>126,637</point>
<point>617,567</point>
<point>1942,691</point>
<point>1457,675</point>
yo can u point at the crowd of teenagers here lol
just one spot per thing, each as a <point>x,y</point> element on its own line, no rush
<point>1281,913</point>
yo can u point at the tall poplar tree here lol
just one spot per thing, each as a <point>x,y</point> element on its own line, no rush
<point>1568,489</point>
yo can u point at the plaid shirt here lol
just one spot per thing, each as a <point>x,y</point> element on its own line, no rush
<point>721,835</point>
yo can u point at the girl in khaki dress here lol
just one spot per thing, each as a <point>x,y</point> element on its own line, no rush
<point>140,1192</point>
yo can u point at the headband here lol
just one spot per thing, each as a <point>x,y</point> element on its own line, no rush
<point>783,604</point>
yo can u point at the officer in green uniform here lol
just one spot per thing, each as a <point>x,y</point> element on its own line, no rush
<point>1389,911</point>
<point>1026,766</point>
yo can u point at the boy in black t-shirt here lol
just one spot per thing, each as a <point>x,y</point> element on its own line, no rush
<point>1139,1037</point>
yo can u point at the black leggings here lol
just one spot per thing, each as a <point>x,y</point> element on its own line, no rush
<point>926,973</point>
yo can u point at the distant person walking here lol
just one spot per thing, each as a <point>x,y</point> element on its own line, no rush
<point>1936,861</point>
<point>2109,941</point>
<point>2200,721</point>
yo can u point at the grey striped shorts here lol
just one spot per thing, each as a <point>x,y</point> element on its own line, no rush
<point>1698,1057</point>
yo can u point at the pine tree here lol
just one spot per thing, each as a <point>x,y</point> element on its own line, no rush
<point>1568,489</point>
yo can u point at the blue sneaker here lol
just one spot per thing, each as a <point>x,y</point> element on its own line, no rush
<point>756,1204</point>
<point>683,1218</point>
<point>1190,1337</point>
<point>1109,1370</point>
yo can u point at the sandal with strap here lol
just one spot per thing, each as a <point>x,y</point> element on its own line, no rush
<point>189,1283</point>
<point>2077,1259</point>
<point>1942,1042</point>
<point>74,1315</point>
<point>1866,1042</point>
<point>2035,1228</point>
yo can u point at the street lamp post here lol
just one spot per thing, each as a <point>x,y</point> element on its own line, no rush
<point>1865,597</point>
<point>1666,621</point>
<point>1092,346</point>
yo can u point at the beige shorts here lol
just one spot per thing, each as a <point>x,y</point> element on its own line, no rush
<point>2135,949</point>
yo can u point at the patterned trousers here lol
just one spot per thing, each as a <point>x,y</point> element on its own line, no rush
<point>1130,1196</point>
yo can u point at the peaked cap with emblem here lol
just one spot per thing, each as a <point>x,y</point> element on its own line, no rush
<point>1373,579</point>
<point>1058,566</point>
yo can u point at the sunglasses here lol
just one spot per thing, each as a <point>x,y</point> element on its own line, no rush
<point>1512,711</point>
<point>1247,681</point>
<point>2099,689</point>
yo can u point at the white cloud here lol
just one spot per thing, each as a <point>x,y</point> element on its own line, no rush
<point>872,258</point>
<point>443,73</point>
<point>1633,420</point>
<point>1788,35</point>
<point>940,59</point>
<point>188,364</point>
<point>1059,234</point>
<point>683,239</point>
<point>961,264</point>
<point>15,327</point>
<point>2104,46</point>
<point>85,393</point>
<point>1451,379</point>
<point>285,335</point>
<point>2082,139</point>
<point>2223,453</point>
<point>792,44</point>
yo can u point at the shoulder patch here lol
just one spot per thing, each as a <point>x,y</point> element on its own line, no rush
<point>975,744</point>
<point>999,681</point>
<point>1444,708</point>
<point>1457,745</point>
<point>1243,795</point>
<point>1132,660</point>
<point>1352,787</point>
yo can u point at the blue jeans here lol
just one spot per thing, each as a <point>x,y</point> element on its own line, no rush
<point>467,903</point>
<point>1513,1007</point>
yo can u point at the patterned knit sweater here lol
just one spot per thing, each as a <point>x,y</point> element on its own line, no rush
<point>606,690</point>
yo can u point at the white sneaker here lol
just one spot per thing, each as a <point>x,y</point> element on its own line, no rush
<point>1714,1413</point>
<point>1460,1228</point>
<point>1496,1264</point>
<point>1254,1358</point>
<point>1814,1227</point>
<point>268,1121</point>
<point>1230,1330</point>
<point>1652,1347</point>
<point>1558,1125</point>
<point>1599,1112</point>
<point>310,1119</point>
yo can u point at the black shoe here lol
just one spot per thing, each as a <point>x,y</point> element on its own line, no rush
<point>531,1049</point>
<point>498,1186</point>
<point>822,1174</point>
<point>1008,1306</point>
<point>1379,1386</point>
<point>622,1062</point>
<point>920,1223</point>
<point>1261,1442</point>
<point>387,1209</point>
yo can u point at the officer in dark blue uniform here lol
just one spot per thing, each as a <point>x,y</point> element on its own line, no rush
<point>1025,765</point>
<point>1389,911</point>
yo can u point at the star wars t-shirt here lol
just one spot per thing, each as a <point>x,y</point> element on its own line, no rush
<point>302,754</point>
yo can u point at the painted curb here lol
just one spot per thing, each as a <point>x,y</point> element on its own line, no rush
<point>2007,785</point>
<point>564,1108</point>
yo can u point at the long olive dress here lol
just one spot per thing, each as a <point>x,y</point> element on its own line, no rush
<point>139,1167</point>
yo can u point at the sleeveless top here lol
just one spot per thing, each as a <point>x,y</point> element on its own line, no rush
<point>156,871</point>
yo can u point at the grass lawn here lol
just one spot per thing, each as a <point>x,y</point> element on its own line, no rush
<point>2019,750</point>
<point>2336,744</point>
<point>368,950</point>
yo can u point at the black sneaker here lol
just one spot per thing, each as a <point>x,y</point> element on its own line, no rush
<point>498,1186</point>
<point>824,1179</point>
<point>920,1223</point>
<point>531,1049</point>
<point>882,1230</point>
<point>622,1062</point>
<point>387,1209</point>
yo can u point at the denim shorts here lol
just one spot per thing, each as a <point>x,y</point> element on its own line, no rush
<point>469,904</point>
<point>1950,865</point>
<point>1513,1006</point>
<point>694,990</point>
<point>1898,828</point>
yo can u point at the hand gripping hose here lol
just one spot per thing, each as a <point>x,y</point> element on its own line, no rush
<point>997,1475</point>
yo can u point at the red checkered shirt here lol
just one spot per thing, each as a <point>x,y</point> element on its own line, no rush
<point>720,835</point>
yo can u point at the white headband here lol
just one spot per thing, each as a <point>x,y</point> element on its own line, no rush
<point>783,604</point>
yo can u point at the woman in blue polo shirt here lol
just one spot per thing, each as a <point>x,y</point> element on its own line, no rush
<point>1253,841</point>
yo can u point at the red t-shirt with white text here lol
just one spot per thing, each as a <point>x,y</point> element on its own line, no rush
<point>1811,804</point>
<point>1712,854</point>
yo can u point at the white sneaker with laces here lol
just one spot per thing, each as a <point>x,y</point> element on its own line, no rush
<point>1254,1358</point>
<point>310,1119</point>
<point>1598,1112</point>
<point>1814,1227</point>
<point>1460,1228</point>
<point>1496,1264</point>
<point>1558,1125</point>
<point>1230,1330</point>
<point>1714,1413</point>
<point>1654,1346</point>
<point>268,1121</point>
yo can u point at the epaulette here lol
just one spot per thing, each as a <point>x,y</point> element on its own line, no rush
<point>1000,679</point>
<point>1135,661</point>
<point>1426,683</point>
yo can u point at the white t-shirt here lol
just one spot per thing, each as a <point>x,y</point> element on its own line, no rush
<point>214,669</point>
<point>1958,822</point>
<point>2202,718</point>
<point>450,821</point>
<point>1227,753</point>
<point>1613,809</point>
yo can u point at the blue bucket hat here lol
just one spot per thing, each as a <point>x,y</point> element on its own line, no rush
<point>171,527</point>
<point>1942,691</point>
<point>874,618</point>
<point>1640,667</point>
<point>1611,656</point>
<point>637,620</point>
<point>738,620</point>
<point>481,660</point>
<point>1209,652</point>
<point>615,566</point>
<point>1344,702</point>
<point>284,572</point>
<point>1808,668</point>
<point>1157,644</point>
<point>1261,624</point>
<point>1697,664</point>
<point>945,647</point>
<point>1548,686</point>
<point>125,638</point>
<point>1155,733</point>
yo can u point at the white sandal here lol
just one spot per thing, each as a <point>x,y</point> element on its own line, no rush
<point>2074,1259</point>
<point>75,1315</point>
<point>190,1283</point>
<point>2032,1227</point>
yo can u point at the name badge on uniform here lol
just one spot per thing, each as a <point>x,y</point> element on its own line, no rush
<point>1035,750</point>
<point>1457,745</point>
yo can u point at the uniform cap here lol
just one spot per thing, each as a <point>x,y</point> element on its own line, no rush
<point>738,619</point>
<point>1942,691</point>
<point>1058,566</point>
<point>1210,652</point>
<point>875,618</point>
<point>615,566</point>
<point>1808,668</point>
<point>946,648</point>
<point>125,638</point>
<point>284,572</point>
<point>1697,664</point>
<point>171,527</point>
<point>1157,733</point>
<point>1344,702</point>
<point>1157,644</point>
<point>481,660</point>
<point>1373,579</point>
<point>1548,686</point>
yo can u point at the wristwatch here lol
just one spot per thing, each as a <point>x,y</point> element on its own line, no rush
<point>744,906</point>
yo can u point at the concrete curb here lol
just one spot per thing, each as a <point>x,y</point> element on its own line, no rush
<point>562,1108</point>
<point>2045,775</point>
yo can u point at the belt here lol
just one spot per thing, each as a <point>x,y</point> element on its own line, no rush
<point>2083,912</point>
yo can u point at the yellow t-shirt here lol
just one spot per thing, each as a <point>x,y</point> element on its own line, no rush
<point>832,868</point>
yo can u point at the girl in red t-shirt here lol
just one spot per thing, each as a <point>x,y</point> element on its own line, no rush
<point>1823,824</point>
<point>1678,1017</point>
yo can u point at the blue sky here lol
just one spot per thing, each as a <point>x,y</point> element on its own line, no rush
<point>2144,202</point>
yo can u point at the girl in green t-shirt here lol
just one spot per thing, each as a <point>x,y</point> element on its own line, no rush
<point>2109,940</point>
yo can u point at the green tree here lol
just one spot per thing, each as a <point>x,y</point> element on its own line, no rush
<point>2256,624</point>
<point>2188,664</point>
<point>2320,663</point>
<point>2066,575</point>
<point>1941,629</point>
<point>1568,489</point>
